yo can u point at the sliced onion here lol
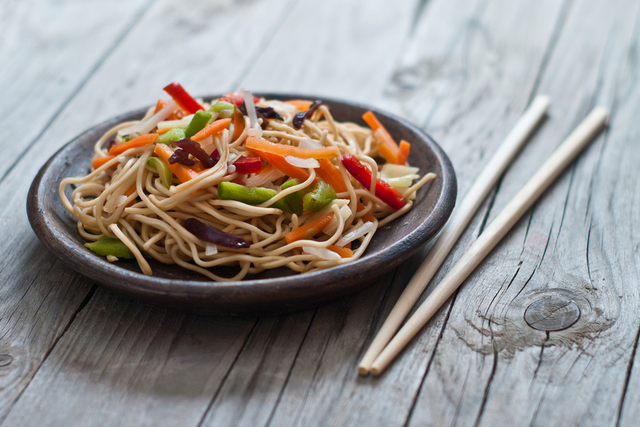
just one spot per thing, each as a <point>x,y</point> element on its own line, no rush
<point>255,132</point>
<point>146,126</point>
<point>231,169</point>
<point>401,181</point>
<point>211,249</point>
<point>271,186</point>
<point>309,143</point>
<point>302,163</point>
<point>345,213</point>
<point>170,124</point>
<point>323,253</point>
<point>113,203</point>
<point>356,234</point>
<point>207,145</point>
<point>396,171</point>
<point>259,179</point>
<point>251,109</point>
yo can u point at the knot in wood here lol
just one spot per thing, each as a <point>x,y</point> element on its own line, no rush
<point>552,314</point>
<point>5,360</point>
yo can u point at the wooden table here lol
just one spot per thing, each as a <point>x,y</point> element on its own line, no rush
<point>73,353</point>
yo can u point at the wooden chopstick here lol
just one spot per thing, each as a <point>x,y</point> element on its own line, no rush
<point>564,155</point>
<point>455,226</point>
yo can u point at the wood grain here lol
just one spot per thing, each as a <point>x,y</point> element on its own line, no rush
<point>48,51</point>
<point>464,70</point>
<point>489,360</point>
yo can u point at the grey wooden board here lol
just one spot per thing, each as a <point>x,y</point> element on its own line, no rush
<point>489,361</point>
<point>48,49</point>
<point>465,70</point>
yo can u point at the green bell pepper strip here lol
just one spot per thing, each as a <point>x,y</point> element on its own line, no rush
<point>110,246</point>
<point>198,122</point>
<point>319,197</point>
<point>166,176</point>
<point>175,134</point>
<point>294,200</point>
<point>221,105</point>
<point>249,195</point>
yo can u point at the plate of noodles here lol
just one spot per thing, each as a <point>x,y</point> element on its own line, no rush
<point>242,203</point>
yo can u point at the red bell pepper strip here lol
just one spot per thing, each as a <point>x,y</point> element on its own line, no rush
<point>182,98</point>
<point>384,191</point>
<point>237,100</point>
<point>248,165</point>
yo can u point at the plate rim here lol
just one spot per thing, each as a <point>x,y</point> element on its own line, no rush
<point>149,288</point>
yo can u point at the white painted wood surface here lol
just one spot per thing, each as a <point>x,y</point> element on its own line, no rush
<point>72,353</point>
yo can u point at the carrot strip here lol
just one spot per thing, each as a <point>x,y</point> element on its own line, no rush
<point>210,129</point>
<point>310,229</point>
<point>331,175</point>
<point>282,165</point>
<point>139,141</point>
<point>403,152</point>
<point>99,161</point>
<point>163,131</point>
<point>300,104</point>
<point>263,145</point>
<point>343,252</point>
<point>130,190</point>
<point>160,105</point>
<point>386,145</point>
<point>184,173</point>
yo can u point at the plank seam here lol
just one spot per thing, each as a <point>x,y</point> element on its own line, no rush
<point>79,87</point>
<point>226,375</point>
<point>555,36</point>
<point>293,363</point>
<point>416,395</point>
<point>494,368</point>
<point>261,48</point>
<point>80,307</point>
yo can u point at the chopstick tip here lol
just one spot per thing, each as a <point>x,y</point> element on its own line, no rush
<point>363,370</point>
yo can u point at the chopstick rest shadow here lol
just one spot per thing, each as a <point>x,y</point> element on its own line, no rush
<point>564,155</point>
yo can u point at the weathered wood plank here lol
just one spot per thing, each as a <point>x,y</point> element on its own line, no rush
<point>39,300</point>
<point>490,367</point>
<point>335,395</point>
<point>42,66</point>
<point>614,207</point>
<point>47,50</point>
<point>119,355</point>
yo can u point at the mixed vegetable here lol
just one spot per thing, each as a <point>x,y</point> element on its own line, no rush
<point>271,155</point>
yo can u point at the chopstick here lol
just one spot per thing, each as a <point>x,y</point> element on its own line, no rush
<point>564,155</point>
<point>455,226</point>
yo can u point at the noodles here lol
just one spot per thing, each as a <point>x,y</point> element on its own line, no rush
<point>250,213</point>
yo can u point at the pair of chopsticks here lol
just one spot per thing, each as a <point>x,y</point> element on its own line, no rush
<point>385,346</point>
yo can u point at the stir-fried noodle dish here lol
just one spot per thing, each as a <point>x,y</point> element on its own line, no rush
<point>241,181</point>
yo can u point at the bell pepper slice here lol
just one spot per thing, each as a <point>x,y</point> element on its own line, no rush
<point>248,165</point>
<point>249,195</point>
<point>383,191</point>
<point>198,122</point>
<point>321,195</point>
<point>182,98</point>
<point>294,200</point>
<point>173,135</point>
<point>110,246</point>
<point>166,176</point>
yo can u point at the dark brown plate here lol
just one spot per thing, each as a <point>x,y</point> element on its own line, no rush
<point>272,291</point>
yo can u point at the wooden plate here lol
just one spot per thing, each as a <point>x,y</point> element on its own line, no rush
<point>273,291</point>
